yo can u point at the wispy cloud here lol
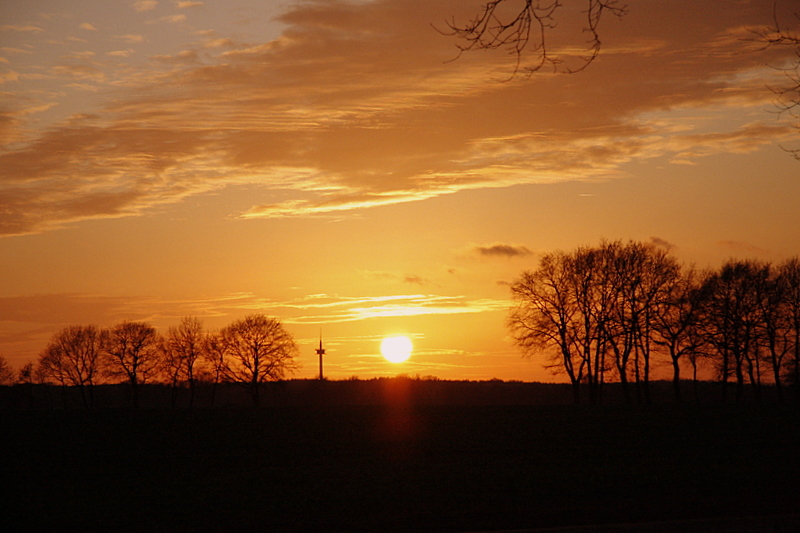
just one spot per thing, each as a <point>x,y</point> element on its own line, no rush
<point>172,19</point>
<point>742,247</point>
<point>358,106</point>
<point>325,309</point>
<point>121,53</point>
<point>145,5</point>
<point>28,28</point>
<point>131,38</point>
<point>412,279</point>
<point>414,306</point>
<point>661,243</point>
<point>27,322</point>
<point>502,250</point>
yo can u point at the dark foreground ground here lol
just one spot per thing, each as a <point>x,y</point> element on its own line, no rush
<point>403,467</point>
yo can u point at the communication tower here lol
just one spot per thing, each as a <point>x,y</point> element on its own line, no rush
<point>320,353</point>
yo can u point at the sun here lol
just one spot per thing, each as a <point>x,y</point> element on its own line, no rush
<point>397,348</point>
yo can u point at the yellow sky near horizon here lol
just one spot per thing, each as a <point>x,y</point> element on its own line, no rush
<point>327,162</point>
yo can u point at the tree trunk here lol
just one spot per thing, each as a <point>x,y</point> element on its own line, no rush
<point>739,380</point>
<point>623,379</point>
<point>676,378</point>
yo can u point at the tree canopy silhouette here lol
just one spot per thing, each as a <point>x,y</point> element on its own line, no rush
<point>601,313</point>
<point>184,349</point>
<point>73,357</point>
<point>256,349</point>
<point>6,372</point>
<point>132,350</point>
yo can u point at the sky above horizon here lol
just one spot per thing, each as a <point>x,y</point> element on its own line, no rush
<point>336,165</point>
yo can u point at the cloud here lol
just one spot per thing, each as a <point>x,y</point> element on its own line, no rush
<point>412,279</point>
<point>220,43</point>
<point>28,322</point>
<point>120,53</point>
<point>14,51</point>
<point>28,28</point>
<point>743,247</point>
<point>88,26</point>
<point>145,5</point>
<point>79,71</point>
<point>358,105</point>
<point>52,312</point>
<point>8,76</point>
<point>60,309</point>
<point>661,243</point>
<point>502,250</point>
<point>131,38</point>
<point>325,308</point>
<point>188,4</point>
<point>182,57</point>
<point>172,19</point>
<point>355,309</point>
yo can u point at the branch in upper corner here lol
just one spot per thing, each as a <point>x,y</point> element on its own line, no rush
<point>501,25</point>
<point>779,36</point>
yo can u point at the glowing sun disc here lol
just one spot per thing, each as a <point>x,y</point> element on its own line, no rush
<point>396,349</point>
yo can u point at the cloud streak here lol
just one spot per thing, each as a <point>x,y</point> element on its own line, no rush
<point>356,106</point>
<point>322,308</point>
<point>28,321</point>
<point>502,250</point>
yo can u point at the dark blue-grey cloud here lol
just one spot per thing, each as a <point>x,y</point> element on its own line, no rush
<point>502,250</point>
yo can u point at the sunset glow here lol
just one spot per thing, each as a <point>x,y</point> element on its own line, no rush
<point>396,349</point>
<point>337,165</point>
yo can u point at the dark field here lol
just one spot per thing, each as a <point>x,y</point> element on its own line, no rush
<point>403,465</point>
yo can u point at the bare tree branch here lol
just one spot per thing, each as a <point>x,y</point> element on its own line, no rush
<point>780,36</point>
<point>520,26</point>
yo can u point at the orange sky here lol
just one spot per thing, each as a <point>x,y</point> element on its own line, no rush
<point>326,163</point>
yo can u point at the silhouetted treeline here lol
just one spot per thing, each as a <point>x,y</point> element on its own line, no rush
<point>248,352</point>
<point>401,391</point>
<point>611,312</point>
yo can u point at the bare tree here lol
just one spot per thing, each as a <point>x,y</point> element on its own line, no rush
<point>73,358</point>
<point>783,36</point>
<point>566,306</point>
<point>520,26</point>
<point>257,349</point>
<point>594,310</point>
<point>675,327</point>
<point>731,318</point>
<point>6,372</point>
<point>789,276</point>
<point>775,324</point>
<point>526,28</point>
<point>637,277</point>
<point>26,374</point>
<point>184,347</point>
<point>26,378</point>
<point>133,355</point>
<point>546,317</point>
<point>214,355</point>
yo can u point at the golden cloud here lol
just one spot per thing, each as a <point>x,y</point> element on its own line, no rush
<point>359,106</point>
<point>145,5</point>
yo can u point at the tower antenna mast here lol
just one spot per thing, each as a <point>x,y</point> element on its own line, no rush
<point>320,353</point>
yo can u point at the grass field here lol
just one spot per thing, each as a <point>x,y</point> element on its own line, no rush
<point>403,467</point>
